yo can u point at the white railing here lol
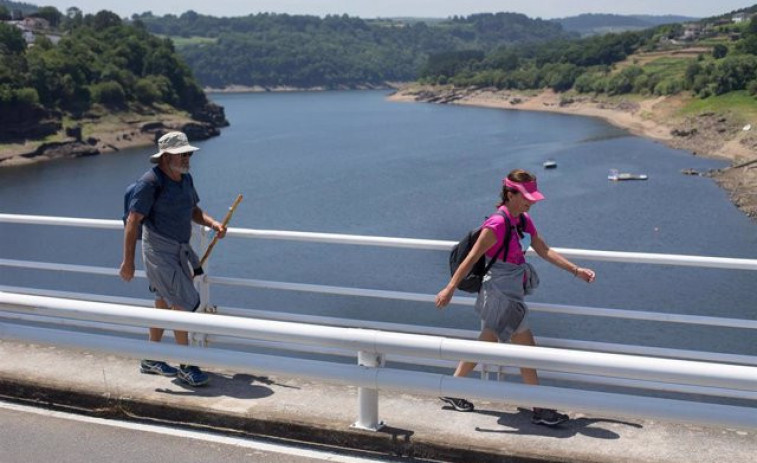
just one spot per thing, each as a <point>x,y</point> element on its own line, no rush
<point>688,372</point>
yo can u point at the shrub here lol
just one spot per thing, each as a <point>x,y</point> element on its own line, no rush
<point>669,86</point>
<point>752,87</point>
<point>27,96</point>
<point>109,93</point>
<point>146,92</point>
<point>719,51</point>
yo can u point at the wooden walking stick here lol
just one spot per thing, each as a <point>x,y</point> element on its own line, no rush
<point>225,222</point>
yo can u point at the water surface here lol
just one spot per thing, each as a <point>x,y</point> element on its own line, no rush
<point>352,162</point>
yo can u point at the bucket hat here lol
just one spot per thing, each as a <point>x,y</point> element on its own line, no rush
<point>174,143</point>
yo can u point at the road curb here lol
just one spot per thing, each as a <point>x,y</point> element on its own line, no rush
<point>388,441</point>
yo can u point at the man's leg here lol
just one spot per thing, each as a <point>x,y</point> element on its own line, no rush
<point>156,334</point>
<point>189,374</point>
<point>181,337</point>
<point>157,367</point>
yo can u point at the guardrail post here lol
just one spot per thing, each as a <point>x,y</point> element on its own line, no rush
<point>203,287</point>
<point>367,398</point>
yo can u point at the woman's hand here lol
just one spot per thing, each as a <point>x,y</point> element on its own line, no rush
<point>443,298</point>
<point>586,274</point>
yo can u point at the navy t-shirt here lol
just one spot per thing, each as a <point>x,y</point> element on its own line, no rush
<point>170,214</point>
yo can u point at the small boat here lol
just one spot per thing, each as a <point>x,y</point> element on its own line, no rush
<point>550,164</point>
<point>618,176</point>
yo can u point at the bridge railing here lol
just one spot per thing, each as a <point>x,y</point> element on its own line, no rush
<point>690,372</point>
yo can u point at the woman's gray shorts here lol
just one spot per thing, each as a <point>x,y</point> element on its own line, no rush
<point>501,314</point>
<point>500,302</point>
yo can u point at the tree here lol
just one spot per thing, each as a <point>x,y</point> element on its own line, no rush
<point>74,18</point>
<point>105,19</point>
<point>11,40</point>
<point>719,51</point>
<point>51,14</point>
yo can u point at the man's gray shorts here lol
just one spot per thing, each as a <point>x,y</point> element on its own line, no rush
<point>169,267</point>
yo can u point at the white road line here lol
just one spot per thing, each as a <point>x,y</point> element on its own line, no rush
<point>249,443</point>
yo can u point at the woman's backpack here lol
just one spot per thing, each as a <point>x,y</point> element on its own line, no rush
<point>472,282</point>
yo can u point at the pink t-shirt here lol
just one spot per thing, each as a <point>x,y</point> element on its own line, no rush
<point>496,223</point>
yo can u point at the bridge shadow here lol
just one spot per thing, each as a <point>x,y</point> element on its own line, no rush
<point>239,386</point>
<point>520,423</point>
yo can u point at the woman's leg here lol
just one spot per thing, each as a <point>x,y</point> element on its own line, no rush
<point>526,338</point>
<point>463,368</point>
<point>547,417</point>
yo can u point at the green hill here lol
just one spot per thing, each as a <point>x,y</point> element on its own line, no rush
<point>710,57</point>
<point>24,8</point>
<point>593,24</point>
<point>99,65</point>
<point>333,52</point>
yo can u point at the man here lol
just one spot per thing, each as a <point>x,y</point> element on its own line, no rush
<point>164,203</point>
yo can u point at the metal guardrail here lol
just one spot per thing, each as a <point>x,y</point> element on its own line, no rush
<point>699,373</point>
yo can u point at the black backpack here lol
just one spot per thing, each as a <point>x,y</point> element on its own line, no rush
<point>151,176</point>
<point>472,282</point>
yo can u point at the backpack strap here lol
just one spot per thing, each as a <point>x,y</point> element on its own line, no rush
<point>521,226</point>
<point>505,245</point>
<point>154,176</point>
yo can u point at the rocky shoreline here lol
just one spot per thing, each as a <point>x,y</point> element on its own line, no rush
<point>289,89</point>
<point>713,135</point>
<point>97,135</point>
<point>115,139</point>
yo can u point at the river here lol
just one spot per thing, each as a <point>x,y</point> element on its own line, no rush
<point>352,162</point>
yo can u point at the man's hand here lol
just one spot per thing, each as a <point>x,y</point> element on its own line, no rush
<point>126,271</point>
<point>219,228</point>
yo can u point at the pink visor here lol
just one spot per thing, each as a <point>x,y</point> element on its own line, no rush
<point>527,189</point>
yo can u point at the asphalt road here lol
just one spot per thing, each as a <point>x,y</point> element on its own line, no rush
<point>29,435</point>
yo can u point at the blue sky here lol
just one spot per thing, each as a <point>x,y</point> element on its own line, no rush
<point>417,8</point>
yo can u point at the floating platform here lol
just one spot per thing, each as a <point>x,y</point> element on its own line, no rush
<point>626,176</point>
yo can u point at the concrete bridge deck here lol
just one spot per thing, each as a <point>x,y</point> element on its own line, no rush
<point>419,427</point>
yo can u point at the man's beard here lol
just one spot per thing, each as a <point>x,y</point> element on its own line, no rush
<point>180,169</point>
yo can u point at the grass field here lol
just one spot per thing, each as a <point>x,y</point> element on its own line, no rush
<point>740,104</point>
<point>181,42</point>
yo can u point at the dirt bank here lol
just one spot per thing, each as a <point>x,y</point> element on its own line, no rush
<point>105,135</point>
<point>708,134</point>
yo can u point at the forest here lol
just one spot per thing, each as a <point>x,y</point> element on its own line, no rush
<point>99,61</point>
<point>335,51</point>
<point>723,59</point>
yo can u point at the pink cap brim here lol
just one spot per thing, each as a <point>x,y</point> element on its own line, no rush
<point>527,189</point>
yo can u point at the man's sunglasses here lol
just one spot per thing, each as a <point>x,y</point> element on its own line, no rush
<point>185,155</point>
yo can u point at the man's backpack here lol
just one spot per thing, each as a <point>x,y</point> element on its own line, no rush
<point>472,282</point>
<point>151,176</point>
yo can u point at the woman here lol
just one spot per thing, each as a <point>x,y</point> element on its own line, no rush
<point>500,301</point>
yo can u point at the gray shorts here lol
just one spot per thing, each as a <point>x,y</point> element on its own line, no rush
<point>500,314</point>
<point>168,268</point>
<point>500,302</point>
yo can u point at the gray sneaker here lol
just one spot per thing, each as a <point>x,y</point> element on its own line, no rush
<point>155,367</point>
